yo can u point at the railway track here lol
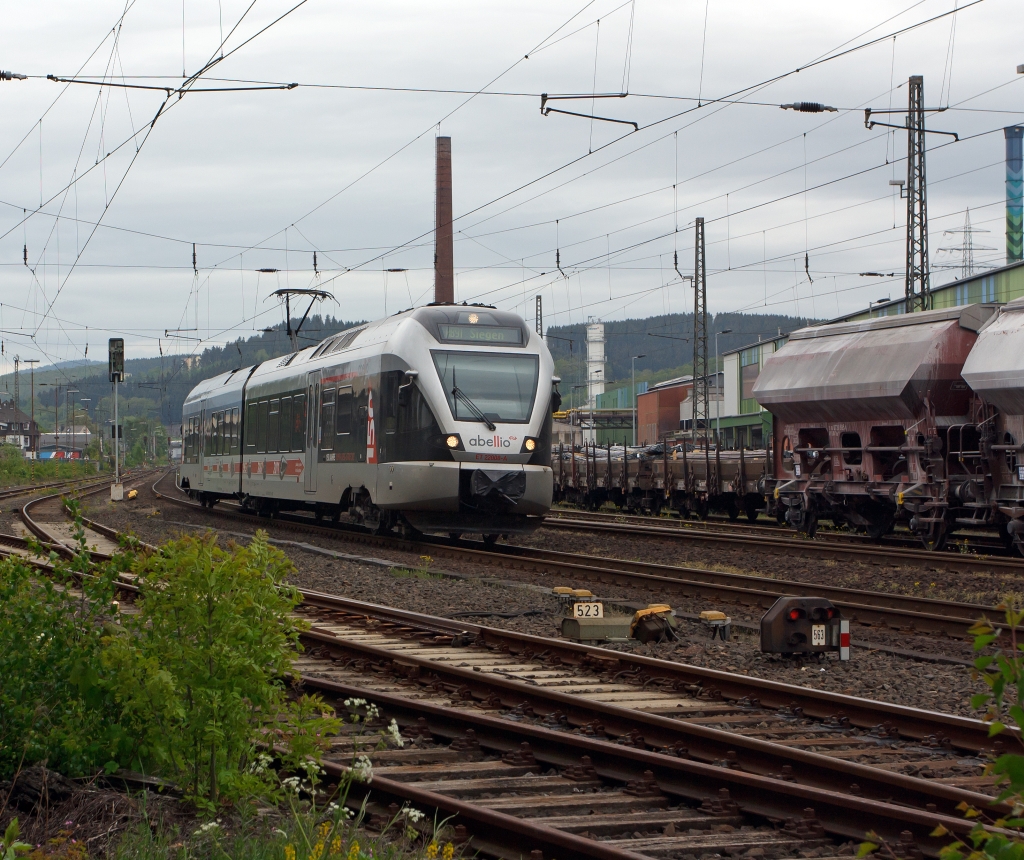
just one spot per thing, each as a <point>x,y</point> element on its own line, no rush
<point>833,547</point>
<point>869,609</point>
<point>679,760</point>
<point>972,542</point>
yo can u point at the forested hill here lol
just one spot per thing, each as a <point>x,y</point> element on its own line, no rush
<point>666,342</point>
<point>157,387</point>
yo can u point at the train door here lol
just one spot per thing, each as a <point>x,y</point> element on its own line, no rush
<point>202,441</point>
<point>312,428</point>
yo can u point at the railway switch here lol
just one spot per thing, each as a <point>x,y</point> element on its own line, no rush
<point>805,625</point>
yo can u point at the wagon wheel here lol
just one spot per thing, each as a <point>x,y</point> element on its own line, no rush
<point>733,510</point>
<point>752,510</point>
<point>810,523</point>
<point>935,538</point>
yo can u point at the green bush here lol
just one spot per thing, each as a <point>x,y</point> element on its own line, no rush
<point>51,705</point>
<point>187,687</point>
<point>200,666</point>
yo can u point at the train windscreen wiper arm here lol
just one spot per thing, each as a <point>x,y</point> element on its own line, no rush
<point>459,394</point>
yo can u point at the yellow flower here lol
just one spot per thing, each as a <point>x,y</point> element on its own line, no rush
<point>336,845</point>
<point>449,851</point>
<point>289,852</point>
<point>325,828</point>
<point>318,849</point>
<point>353,852</point>
<point>432,851</point>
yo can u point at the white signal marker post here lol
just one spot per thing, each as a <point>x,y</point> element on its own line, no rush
<point>115,365</point>
<point>844,639</point>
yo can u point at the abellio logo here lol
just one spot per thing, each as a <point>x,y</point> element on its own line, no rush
<point>493,442</point>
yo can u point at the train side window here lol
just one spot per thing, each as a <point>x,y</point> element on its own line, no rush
<point>299,422</point>
<point>343,411</point>
<point>274,430</point>
<point>285,423</point>
<point>218,432</point>
<point>261,427</point>
<point>327,419</point>
<point>250,428</point>
<point>234,430</point>
<point>851,440</point>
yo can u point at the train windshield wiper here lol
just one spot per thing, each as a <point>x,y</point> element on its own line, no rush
<point>459,394</point>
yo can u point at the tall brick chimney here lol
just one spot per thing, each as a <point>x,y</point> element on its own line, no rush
<point>444,255</point>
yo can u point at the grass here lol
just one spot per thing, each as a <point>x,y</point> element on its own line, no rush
<point>421,572</point>
<point>302,832</point>
<point>16,470</point>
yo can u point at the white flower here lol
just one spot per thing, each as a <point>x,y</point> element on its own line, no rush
<point>207,828</point>
<point>414,815</point>
<point>280,832</point>
<point>371,712</point>
<point>311,768</point>
<point>291,785</point>
<point>263,761</point>
<point>332,808</point>
<point>354,703</point>
<point>362,769</point>
<point>396,734</point>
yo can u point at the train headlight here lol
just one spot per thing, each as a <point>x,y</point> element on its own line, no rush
<point>452,441</point>
<point>529,445</point>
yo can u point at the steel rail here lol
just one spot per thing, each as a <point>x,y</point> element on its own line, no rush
<point>842,813</point>
<point>918,822</point>
<point>810,548</point>
<point>723,525</point>
<point>871,608</point>
<point>912,723</point>
<point>53,540</point>
<point>700,742</point>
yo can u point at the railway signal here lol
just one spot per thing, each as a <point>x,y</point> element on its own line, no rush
<point>115,367</point>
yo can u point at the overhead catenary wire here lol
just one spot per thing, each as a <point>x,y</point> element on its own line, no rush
<point>468,237</point>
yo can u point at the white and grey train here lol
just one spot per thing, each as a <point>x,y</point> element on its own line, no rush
<point>435,420</point>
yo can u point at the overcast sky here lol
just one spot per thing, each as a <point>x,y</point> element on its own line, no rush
<point>263,178</point>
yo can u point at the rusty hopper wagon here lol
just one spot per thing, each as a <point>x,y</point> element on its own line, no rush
<point>870,422</point>
<point>995,371</point>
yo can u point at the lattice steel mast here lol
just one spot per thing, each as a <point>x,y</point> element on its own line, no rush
<point>701,416</point>
<point>917,286</point>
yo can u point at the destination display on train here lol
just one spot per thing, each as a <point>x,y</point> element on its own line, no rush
<point>481,334</point>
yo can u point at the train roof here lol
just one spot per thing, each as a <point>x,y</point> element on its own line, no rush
<point>995,367</point>
<point>220,383</point>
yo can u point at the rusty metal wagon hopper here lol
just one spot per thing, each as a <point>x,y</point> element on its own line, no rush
<point>995,370</point>
<point>883,368</point>
<point>861,415</point>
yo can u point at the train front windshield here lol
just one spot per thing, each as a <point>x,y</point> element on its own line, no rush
<point>501,386</point>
